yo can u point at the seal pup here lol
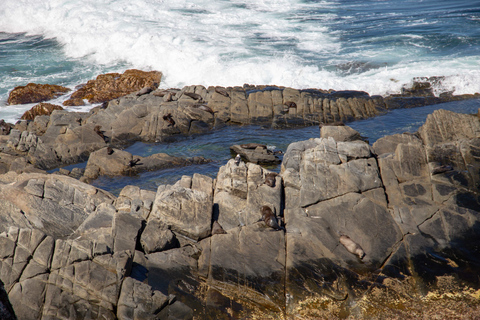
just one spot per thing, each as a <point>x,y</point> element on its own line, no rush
<point>269,218</point>
<point>194,96</point>
<point>204,108</point>
<point>352,246</point>
<point>99,132</point>
<point>441,169</point>
<point>222,91</point>
<point>170,120</point>
<point>270,179</point>
<point>237,159</point>
<point>253,146</point>
<point>144,90</point>
<point>169,96</point>
<point>217,228</point>
<point>109,151</point>
<point>290,104</point>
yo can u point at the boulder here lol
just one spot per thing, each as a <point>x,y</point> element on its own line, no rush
<point>112,162</point>
<point>33,93</point>
<point>41,109</point>
<point>110,86</point>
<point>258,155</point>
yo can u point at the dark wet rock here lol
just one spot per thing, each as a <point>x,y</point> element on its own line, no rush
<point>110,86</point>
<point>121,162</point>
<point>260,154</point>
<point>41,109</point>
<point>32,93</point>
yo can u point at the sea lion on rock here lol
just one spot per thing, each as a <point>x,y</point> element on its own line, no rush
<point>253,146</point>
<point>194,96</point>
<point>290,104</point>
<point>270,179</point>
<point>109,151</point>
<point>352,246</point>
<point>269,218</point>
<point>144,90</point>
<point>441,169</point>
<point>204,108</point>
<point>99,132</point>
<point>170,120</point>
<point>169,96</point>
<point>222,91</point>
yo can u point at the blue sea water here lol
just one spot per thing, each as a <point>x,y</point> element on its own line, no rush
<point>378,46</point>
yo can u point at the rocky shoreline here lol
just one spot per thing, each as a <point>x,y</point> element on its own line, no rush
<point>346,230</point>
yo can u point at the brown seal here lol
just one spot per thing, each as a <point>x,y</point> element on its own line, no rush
<point>253,146</point>
<point>270,179</point>
<point>170,120</point>
<point>204,108</point>
<point>194,96</point>
<point>222,91</point>
<point>441,169</point>
<point>290,104</point>
<point>109,151</point>
<point>99,132</point>
<point>352,246</point>
<point>144,90</point>
<point>269,218</point>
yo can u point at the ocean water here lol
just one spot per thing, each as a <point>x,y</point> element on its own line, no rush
<point>373,45</point>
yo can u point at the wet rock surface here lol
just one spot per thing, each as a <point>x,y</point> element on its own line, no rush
<point>367,232</point>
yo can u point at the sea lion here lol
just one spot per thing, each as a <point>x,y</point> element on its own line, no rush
<point>269,218</point>
<point>144,90</point>
<point>270,179</point>
<point>441,169</point>
<point>217,228</point>
<point>170,120</point>
<point>194,96</point>
<point>99,132</point>
<point>253,146</point>
<point>5,127</point>
<point>204,108</point>
<point>109,151</point>
<point>104,105</point>
<point>352,246</point>
<point>333,124</point>
<point>169,96</point>
<point>222,91</point>
<point>290,104</point>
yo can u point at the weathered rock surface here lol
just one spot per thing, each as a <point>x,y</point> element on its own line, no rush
<point>259,155</point>
<point>110,86</point>
<point>33,92</point>
<point>69,250</point>
<point>113,162</point>
<point>41,109</point>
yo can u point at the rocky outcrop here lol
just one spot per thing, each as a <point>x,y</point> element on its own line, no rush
<point>110,86</point>
<point>32,93</point>
<point>41,109</point>
<point>112,162</point>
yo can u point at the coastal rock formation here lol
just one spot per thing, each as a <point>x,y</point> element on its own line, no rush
<point>41,109</point>
<point>33,92</point>
<point>259,154</point>
<point>113,162</point>
<point>110,86</point>
<point>410,202</point>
